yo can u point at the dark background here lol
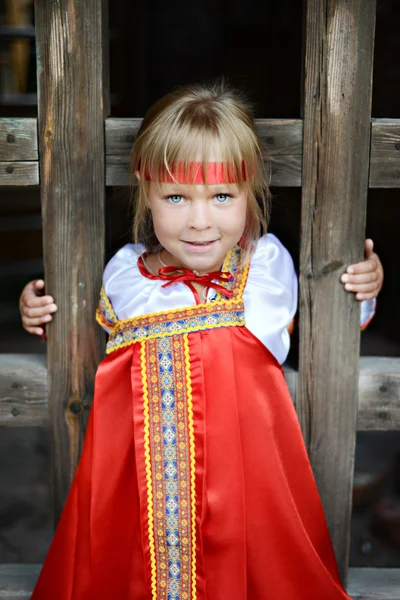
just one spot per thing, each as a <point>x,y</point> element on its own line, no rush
<point>155,46</point>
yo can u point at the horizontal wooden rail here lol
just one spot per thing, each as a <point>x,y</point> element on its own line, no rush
<point>18,140</point>
<point>17,582</point>
<point>374,584</point>
<point>282,140</point>
<point>23,391</point>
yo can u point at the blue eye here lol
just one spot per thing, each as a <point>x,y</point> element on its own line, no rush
<point>175,198</point>
<point>222,198</point>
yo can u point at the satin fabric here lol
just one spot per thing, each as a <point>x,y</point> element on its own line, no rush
<point>261,531</point>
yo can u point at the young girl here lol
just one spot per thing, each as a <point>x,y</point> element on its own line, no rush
<point>194,481</point>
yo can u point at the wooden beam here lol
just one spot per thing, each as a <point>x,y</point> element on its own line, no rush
<point>18,139</point>
<point>23,390</point>
<point>19,173</point>
<point>339,43</point>
<point>71,51</point>
<point>282,140</point>
<point>374,584</point>
<point>385,154</point>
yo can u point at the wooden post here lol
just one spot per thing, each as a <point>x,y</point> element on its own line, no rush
<point>73,102</point>
<point>339,42</point>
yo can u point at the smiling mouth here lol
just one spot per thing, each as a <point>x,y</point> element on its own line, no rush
<point>200,243</point>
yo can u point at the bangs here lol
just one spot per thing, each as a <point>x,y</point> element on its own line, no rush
<point>202,151</point>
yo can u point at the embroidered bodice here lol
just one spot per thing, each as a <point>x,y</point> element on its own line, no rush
<point>265,299</point>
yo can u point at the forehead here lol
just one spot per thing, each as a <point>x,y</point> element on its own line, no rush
<point>190,189</point>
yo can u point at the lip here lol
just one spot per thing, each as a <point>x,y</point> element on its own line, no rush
<point>194,247</point>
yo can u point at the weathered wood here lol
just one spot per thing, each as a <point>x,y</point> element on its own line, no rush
<point>23,390</point>
<point>379,394</point>
<point>280,136</point>
<point>385,154</point>
<point>18,139</point>
<point>282,139</point>
<point>72,107</point>
<point>19,173</point>
<point>339,41</point>
<point>374,584</point>
<point>17,581</point>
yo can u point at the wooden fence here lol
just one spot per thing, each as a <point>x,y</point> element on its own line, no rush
<point>334,153</point>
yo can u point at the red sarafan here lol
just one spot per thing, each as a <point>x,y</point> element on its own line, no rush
<point>194,482</point>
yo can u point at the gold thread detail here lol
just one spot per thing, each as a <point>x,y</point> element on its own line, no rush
<point>178,332</point>
<point>192,459</point>
<point>148,471</point>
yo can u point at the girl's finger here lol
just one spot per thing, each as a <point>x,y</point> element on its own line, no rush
<point>32,301</point>
<point>361,278</point>
<point>361,287</point>
<point>34,330</point>
<point>39,312</point>
<point>31,322</point>
<point>362,297</point>
<point>363,267</point>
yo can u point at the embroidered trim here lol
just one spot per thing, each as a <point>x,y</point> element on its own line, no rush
<point>170,467</point>
<point>198,317</point>
<point>148,471</point>
<point>105,314</point>
<point>161,325</point>
<point>192,459</point>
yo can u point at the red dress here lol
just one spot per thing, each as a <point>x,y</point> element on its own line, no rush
<point>194,482</point>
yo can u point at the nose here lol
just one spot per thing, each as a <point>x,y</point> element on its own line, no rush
<point>200,215</point>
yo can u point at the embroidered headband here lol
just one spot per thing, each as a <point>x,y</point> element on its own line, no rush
<point>216,172</point>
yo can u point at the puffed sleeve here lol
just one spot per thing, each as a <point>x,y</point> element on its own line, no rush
<point>270,296</point>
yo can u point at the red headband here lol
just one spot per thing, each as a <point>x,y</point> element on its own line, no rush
<point>216,172</point>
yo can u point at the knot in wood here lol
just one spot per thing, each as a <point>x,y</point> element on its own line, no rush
<point>397,146</point>
<point>76,408</point>
<point>270,139</point>
<point>10,169</point>
<point>10,138</point>
<point>15,412</point>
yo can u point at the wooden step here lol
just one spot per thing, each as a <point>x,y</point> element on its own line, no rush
<point>17,582</point>
<point>374,584</point>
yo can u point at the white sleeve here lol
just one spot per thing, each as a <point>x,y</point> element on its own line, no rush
<point>270,295</point>
<point>368,309</point>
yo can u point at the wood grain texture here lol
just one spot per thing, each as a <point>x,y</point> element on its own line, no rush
<point>385,153</point>
<point>19,173</point>
<point>374,584</point>
<point>18,139</point>
<point>72,108</point>
<point>23,390</point>
<point>338,42</point>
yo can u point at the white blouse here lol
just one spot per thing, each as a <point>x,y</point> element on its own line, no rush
<point>270,295</point>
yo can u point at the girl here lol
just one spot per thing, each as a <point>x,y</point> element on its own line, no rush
<point>194,481</point>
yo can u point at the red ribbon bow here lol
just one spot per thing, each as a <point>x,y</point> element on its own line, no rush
<point>173,275</point>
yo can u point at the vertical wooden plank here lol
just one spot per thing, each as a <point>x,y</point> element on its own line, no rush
<point>72,53</point>
<point>339,41</point>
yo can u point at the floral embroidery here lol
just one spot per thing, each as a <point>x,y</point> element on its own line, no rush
<point>210,315</point>
<point>169,445</point>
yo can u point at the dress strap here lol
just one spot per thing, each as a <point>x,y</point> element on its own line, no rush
<point>105,315</point>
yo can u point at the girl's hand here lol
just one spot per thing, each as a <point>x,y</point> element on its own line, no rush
<point>35,308</point>
<point>365,278</point>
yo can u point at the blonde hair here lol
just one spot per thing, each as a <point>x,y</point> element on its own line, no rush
<point>190,120</point>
